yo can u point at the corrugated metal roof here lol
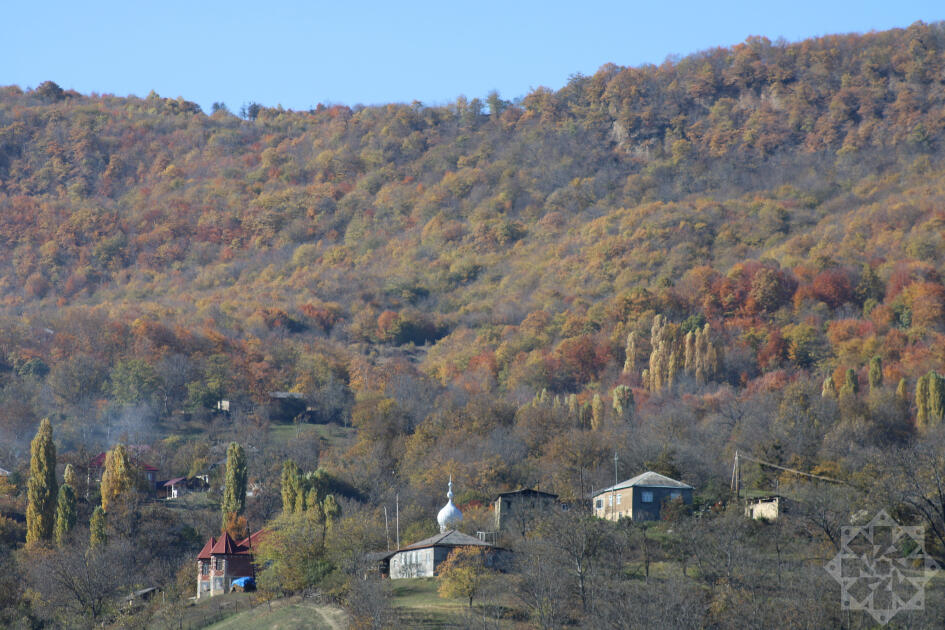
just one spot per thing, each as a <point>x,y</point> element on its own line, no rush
<point>526,491</point>
<point>449,538</point>
<point>649,479</point>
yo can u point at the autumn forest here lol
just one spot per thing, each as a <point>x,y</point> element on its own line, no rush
<point>741,249</point>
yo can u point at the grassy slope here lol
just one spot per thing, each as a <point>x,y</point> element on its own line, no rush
<point>239,610</point>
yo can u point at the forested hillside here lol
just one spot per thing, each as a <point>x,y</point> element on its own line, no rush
<point>739,249</point>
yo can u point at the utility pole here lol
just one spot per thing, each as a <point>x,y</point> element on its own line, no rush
<point>386,528</point>
<point>397,506</point>
<point>613,494</point>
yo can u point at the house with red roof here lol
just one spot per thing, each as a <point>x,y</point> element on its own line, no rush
<point>223,560</point>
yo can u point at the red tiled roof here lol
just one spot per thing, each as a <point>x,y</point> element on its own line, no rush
<point>225,545</point>
<point>205,552</point>
<point>252,542</point>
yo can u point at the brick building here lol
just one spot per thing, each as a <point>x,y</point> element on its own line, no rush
<point>223,560</point>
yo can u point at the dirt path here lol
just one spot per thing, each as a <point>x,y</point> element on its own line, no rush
<point>336,618</point>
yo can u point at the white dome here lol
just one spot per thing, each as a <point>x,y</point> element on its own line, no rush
<point>450,514</point>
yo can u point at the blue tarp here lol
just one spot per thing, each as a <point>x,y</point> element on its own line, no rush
<point>246,583</point>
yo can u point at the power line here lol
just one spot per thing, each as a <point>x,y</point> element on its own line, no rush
<point>736,471</point>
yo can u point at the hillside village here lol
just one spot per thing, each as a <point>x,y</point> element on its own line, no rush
<point>638,352</point>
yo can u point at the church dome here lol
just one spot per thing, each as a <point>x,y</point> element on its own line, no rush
<point>450,515</point>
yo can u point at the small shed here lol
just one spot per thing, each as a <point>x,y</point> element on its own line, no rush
<point>172,488</point>
<point>768,507</point>
<point>640,498</point>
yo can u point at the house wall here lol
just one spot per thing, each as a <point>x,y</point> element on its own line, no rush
<point>630,503</point>
<point>518,510</point>
<point>613,505</point>
<point>413,563</point>
<point>203,580</point>
<point>770,509</point>
<point>222,570</point>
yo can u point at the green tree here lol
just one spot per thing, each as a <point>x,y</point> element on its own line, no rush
<point>41,487</point>
<point>876,374</point>
<point>829,389</point>
<point>922,401</point>
<point>120,477</point>
<point>597,412</point>
<point>870,287</point>
<point>623,402</point>
<point>98,536</point>
<point>234,489</point>
<point>292,555</point>
<point>70,477</point>
<point>291,485</point>
<point>936,398</point>
<point>902,392</point>
<point>65,512</point>
<point>851,384</point>
<point>929,400</point>
<point>133,381</point>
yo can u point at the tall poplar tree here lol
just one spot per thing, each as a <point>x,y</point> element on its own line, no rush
<point>70,477</point>
<point>119,477</point>
<point>234,490</point>
<point>291,485</point>
<point>97,534</point>
<point>65,512</point>
<point>41,488</point>
<point>876,374</point>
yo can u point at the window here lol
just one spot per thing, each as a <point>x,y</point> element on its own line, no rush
<point>218,564</point>
<point>600,503</point>
<point>618,499</point>
<point>646,496</point>
<point>204,568</point>
<point>675,494</point>
<point>610,500</point>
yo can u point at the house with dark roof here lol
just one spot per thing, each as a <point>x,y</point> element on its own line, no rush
<point>640,498</point>
<point>223,560</point>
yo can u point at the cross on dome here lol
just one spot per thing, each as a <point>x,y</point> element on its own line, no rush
<point>450,514</point>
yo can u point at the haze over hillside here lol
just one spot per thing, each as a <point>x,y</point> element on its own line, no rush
<point>741,249</point>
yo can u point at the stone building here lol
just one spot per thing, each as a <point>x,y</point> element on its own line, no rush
<point>517,511</point>
<point>640,498</point>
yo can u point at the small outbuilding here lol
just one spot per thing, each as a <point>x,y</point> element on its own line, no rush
<point>517,511</point>
<point>640,498</point>
<point>768,507</point>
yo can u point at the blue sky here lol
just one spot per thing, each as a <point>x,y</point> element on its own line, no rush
<point>299,54</point>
